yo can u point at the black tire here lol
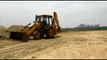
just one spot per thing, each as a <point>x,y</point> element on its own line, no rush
<point>50,33</point>
<point>42,35</point>
<point>37,35</point>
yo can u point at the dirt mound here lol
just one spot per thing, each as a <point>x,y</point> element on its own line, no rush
<point>5,32</point>
<point>16,28</point>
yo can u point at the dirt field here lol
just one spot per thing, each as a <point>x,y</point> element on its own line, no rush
<point>81,44</point>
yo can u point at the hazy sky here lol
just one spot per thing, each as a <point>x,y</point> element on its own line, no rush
<point>70,14</point>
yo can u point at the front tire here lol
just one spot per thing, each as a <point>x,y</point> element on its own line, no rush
<point>37,35</point>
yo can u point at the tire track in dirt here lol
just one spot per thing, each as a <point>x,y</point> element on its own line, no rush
<point>12,51</point>
<point>24,49</point>
<point>5,43</point>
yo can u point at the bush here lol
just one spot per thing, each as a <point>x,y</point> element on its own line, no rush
<point>2,28</point>
<point>3,32</point>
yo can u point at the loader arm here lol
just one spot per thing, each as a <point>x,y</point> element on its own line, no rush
<point>26,28</point>
<point>32,29</point>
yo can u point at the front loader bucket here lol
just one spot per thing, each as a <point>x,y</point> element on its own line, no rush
<point>19,36</point>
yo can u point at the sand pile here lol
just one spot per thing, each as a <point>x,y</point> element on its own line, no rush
<point>5,32</point>
<point>15,28</point>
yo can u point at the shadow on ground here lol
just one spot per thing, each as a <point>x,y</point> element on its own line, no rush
<point>45,38</point>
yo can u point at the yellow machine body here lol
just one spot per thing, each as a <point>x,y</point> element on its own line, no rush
<point>43,25</point>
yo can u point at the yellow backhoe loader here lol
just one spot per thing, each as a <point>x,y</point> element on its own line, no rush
<point>44,26</point>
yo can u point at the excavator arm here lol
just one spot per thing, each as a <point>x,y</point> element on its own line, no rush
<point>56,23</point>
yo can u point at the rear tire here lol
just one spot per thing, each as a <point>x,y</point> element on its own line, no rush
<point>50,33</point>
<point>37,35</point>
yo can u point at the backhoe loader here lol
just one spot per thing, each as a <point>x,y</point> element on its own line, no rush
<point>43,26</point>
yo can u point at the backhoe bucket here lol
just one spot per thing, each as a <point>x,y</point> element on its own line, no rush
<point>18,36</point>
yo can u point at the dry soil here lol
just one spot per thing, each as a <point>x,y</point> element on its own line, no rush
<point>72,44</point>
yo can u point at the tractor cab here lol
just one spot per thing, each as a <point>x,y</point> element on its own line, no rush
<point>44,19</point>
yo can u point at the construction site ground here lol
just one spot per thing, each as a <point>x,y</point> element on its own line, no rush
<point>72,44</point>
